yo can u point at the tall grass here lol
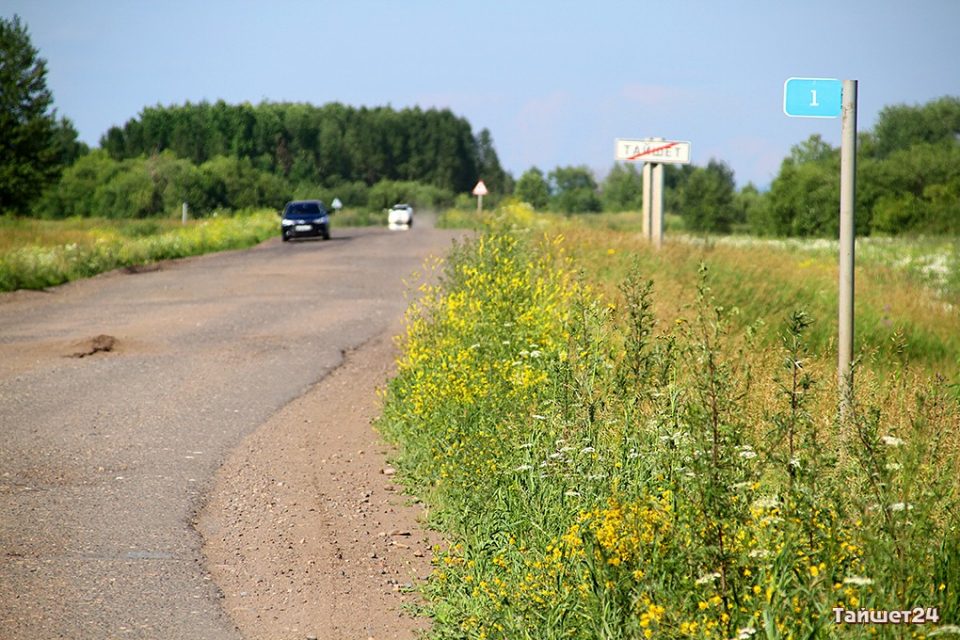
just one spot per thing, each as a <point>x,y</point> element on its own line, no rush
<point>36,254</point>
<point>612,455</point>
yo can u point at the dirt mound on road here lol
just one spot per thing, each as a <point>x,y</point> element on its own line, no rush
<point>100,344</point>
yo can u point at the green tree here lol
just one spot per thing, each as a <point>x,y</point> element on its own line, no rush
<point>574,190</point>
<point>533,189</point>
<point>751,209</point>
<point>804,199</point>
<point>488,164</point>
<point>706,200</point>
<point>899,127</point>
<point>623,189</point>
<point>75,193</point>
<point>34,145</point>
<point>675,176</point>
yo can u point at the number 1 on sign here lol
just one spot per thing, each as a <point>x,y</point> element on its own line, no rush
<point>813,98</point>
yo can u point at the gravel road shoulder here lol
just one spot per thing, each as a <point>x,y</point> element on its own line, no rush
<point>304,530</point>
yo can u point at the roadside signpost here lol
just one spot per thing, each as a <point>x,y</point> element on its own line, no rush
<point>655,150</point>
<point>480,190</point>
<point>830,98</point>
<point>336,204</point>
<point>654,153</point>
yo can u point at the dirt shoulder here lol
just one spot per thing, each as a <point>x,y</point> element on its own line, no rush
<point>304,530</point>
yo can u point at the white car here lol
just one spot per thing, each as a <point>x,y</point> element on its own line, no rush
<point>400,216</point>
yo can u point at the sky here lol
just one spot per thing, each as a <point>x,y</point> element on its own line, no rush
<point>555,82</point>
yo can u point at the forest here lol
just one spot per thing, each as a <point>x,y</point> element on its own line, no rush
<point>220,156</point>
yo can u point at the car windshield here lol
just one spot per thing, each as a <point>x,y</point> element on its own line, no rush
<point>401,207</point>
<point>303,208</point>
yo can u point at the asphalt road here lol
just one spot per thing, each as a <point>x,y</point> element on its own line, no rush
<point>105,459</point>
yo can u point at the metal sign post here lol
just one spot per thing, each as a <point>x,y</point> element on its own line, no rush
<point>654,153</point>
<point>656,200</point>
<point>647,177</point>
<point>831,98</point>
<point>848,198</point>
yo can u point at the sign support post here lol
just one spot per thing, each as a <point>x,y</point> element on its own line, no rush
<point>656,196</point>
<point>830,98</point>
<point>848,198</point>
<point>647,204</point>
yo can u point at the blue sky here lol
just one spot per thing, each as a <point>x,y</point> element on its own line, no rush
<point>555,82</point>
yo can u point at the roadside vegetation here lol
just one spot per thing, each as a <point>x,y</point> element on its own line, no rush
<point>621,443</point>
<point>35,254</point>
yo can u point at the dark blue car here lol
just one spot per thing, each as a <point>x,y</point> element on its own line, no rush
<point>305,219</point>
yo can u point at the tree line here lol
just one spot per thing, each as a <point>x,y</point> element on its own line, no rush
<point>318,145</point>
<point>221,156</point>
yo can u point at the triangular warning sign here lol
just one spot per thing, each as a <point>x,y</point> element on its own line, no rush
<point>480,189</point>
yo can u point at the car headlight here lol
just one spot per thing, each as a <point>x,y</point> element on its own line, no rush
<point>323,219</point>
<point>287,223</point>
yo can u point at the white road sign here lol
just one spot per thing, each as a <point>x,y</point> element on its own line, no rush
<point>480,189</point>
<point>656,151</point>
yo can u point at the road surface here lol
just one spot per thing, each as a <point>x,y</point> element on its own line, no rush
<point>106,458</point>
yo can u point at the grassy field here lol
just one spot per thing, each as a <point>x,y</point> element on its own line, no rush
<point>38,253</point>
<point>41,253</point>
<point>623,443</point>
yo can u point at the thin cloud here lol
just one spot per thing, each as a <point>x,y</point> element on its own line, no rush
<point>657,95</point>
<point>540,125</point>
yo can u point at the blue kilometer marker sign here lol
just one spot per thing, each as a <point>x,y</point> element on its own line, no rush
<point>812,97</point>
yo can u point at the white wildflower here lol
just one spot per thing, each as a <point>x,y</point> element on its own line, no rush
<point>536,353</point>
<point>523,467</point>
<point>759,553</point>
<point>587,450</point>
<point>892,466</point>
<point>892,441</point>
<point>707,579</point>
<point>526,445</point>
<point>944,630</point>
<point>745,633</point>
<point>572,494</point>
<point>767,502</point>
<point>858,581</point>
<point>537,416</point>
